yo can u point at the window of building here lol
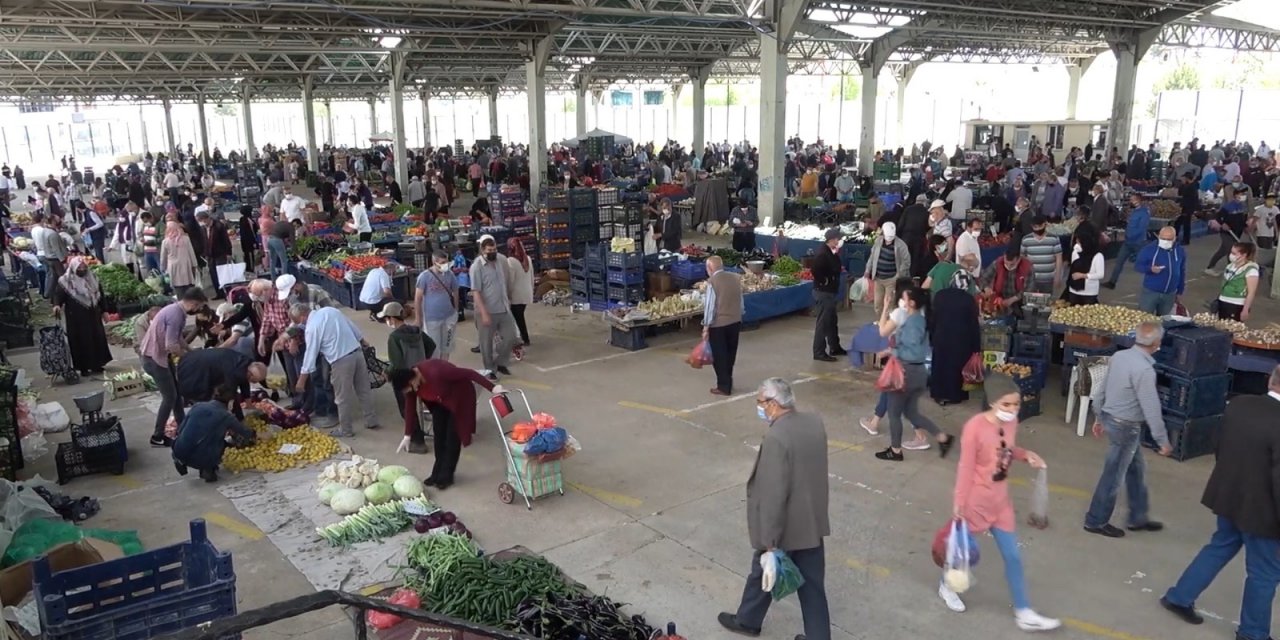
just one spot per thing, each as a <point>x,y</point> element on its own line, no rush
<point>1056,133</point>
<point>621,98</point>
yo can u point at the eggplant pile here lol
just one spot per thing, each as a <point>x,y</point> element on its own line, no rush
<point>571,617</point>
<point>441,519</point>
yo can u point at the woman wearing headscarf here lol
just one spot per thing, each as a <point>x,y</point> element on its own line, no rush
<point>954,342</point>
<point>177,256</point>
<point>79,296</point>
<point>1087,266</point>
<point>519,284</point>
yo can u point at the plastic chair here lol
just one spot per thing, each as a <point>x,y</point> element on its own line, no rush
<point>1081,387</point>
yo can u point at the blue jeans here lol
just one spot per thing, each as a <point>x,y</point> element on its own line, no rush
<point>277,257</point>
<point>151,261</point>
<point>1156,303</point>
<point>1262,573</point>
<point>1123,461</point>
<point>1007,543</point>
<point>1126,251</point>
<point>882,405</point>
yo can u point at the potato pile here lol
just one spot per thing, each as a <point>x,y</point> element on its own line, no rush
<point>265,454</point>
<point>1101,317</point>
<point>1241,331</point>
<point>1012,370</point>
<point>1161,208</point>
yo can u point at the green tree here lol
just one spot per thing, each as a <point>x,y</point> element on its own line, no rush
<point>1183,76</point>
<point>852,88</point>
<point>718,96</point>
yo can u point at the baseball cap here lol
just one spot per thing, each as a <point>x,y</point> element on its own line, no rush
<point>833,234</point>
<point>392,310</point>
<point>937,204</point>
<point>227,309</point>
<point>284,286</point>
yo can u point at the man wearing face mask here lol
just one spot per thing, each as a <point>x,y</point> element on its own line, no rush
<point>744,220</point>
<point>492,307</point>
<point>1232,221</point>
<point>968,250</point>
<point>1126,400</point>
<point>787,511</point>
<point>1135,235</point>
<point>159,346</point>
<point>1163,266</point>
<point>826,284</point>
<point>888,258</point>
<point>1045,254</point>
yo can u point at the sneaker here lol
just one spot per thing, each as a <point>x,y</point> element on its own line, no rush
<point>916,445</point>
<point>161,441</point>
<point>1212,272</point>
<point>866,423</point>
<point>475,349</point>
<point>945,447</point>
<point>1109,285</point>
<point>503,370</point>
<point>951,598</point>
<point>889,454</point>
<point>493,377</point>
<point>342,433</point>
<point>1187,614</point>
<point>1106,530</point>
<point>1029,620</point>
<point>209,475</point>
<point>730,622</point>
<point>182,468</point>
<point>839,351</point>
<point>373,426</point>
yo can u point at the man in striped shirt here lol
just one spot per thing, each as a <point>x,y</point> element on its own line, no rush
<point>1045,254</point>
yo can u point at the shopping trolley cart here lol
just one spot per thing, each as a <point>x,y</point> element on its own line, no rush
<point>530,477</point>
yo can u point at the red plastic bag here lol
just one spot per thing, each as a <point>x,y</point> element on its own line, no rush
<point>383,620</point>
<point>973,370</point>
<point>893,377</point>
<point>700,356</point>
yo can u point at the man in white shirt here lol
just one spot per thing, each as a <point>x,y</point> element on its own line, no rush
<point>205,207</point>
<point>171,180</point>
<point>330,335</point>
<point>961,199</point>
<point>968,251</point>
<point>359,218</point>
<point>1232,169</point>
<point>291,206</point>
<point>1263,222</point>
<point>376,292</point>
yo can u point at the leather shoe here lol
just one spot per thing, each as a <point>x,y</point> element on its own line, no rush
<point>1106,530</point>
<point>835,352</point>
<point>718,392</point>
<point>730,621</point>
<point>825,358</point>
<point>1150,525</point>
<point>1187,614</point>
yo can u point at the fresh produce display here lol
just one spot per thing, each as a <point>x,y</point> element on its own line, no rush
<point>622,245</point>
<point>306,247</point>
<point>347,501</point>
<point>1162,208</point>
<point>265,453</point>
<point>432,560</point>
<point>1102,317</point>
<point>998,240</point>
<point>273,414</point>
<point>131,375</point>
<point>752,283</point>
<point>561,617</point>
<point>372,522</point>
<point>362,264</point>
<point>693,251</point>
<point>441,522</point>
<point>417,230</point>
<point>787,281</point>
<point>1012,370</point>
<point>123,334</point>
<point>1268,338</point>
<point>356,473</point>
<point>786,266</point>
<point>378,493</point>
<point>671,306</point>
<point>21,243</point>
<point>119,284</point>
<point>730,257</point>
<point>487,591</point>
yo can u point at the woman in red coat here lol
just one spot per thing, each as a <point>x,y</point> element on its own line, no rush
<point>449,392</point>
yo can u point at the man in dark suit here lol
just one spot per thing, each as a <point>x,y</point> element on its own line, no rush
<point>1244,492</point>
<point>787,511</point>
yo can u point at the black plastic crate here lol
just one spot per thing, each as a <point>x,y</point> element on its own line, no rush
<point>94,438</point>
<point>73,462</point>
<point>1189,437</point>
<point>1252,383</point>
<point>584,198</point>
<point>586,234</point>
<point>1192,397</point>
<point>995,337</point>
<point>629,339</point>
<point>626,294</point>
<point>1030,345</point>
<point>624,260</point>
<point>625,276</point>
<point>1033,321</point>
<point>17,336</point>
<point>1195,350</point>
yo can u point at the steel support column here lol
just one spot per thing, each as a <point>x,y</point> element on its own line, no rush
<point>251,151</point>
<point>535,87</point>
<point>580,109</point>
<point>1118,129</point>
<point>773,119</point>
<point>493,112</point>
<point>396,86</point>
<point>142,121</point>
<point>699,78</point>
<point>373,116</point>
<point>1074,71</point>
<point>204,128</point>
<point>867,140</point>
<point>328,120</point>
<point>426,118</point>
<point>309,126</point>
<point>168,127</point>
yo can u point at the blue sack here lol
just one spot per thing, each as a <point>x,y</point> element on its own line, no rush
<point>546,441</point>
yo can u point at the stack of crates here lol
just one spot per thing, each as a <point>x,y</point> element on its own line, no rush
<point>505,204</point>
<point>1081,343</point>
<point>525,229</point>
<point>555,238</point>
<point>1193,381</point>
<point>1032,349</point>
<point>686,273</point>
<point>624,277</point>
<point>588,281</point>
<point>622,221</point>
<point>584,215</point>
<point>11,453</point>
<point>995,343</point>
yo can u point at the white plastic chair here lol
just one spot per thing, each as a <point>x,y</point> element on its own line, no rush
<point>1096,371</point>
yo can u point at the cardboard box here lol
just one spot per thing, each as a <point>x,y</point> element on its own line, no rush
<point>659,281</point>
<point>15,582</point>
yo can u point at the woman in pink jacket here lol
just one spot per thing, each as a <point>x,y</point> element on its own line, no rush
<point>988,448</point>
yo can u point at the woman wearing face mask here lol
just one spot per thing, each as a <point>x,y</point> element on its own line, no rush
<point>1232,222</point>
<point>178,256</point>
<point>1084,275</point>
<point>911,349</point>
<point>669,230</point>
<point>988,448</point>
<point>1239,283</point>
<point>943,274</point>
<point>872,424</point>
<point>78,296</point>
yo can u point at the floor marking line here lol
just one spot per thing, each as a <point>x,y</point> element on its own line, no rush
<point>1056,488</point>
<point>619,499</point>
<point>805,378</point>
<point>127,481</point>
<point>587,361</point>
<point>246,531</point>
<point>516,383</point>
<point>841,445</point>
<point>651,408</point>
<point>874,570</point>
<point>1099,630</point>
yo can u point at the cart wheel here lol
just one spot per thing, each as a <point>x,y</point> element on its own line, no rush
<point>506,493</point>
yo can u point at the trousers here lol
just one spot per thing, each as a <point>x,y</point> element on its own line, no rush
<point>812,594</point>
<point>1123,462</point>
<point>724,353</point>
<point>826,330</point>
<point>350,376</point>
<point>505,326</point>
<point>907,403</point>
<point>448,447</point>
<point>1261,575</point>
<point>170,402</point>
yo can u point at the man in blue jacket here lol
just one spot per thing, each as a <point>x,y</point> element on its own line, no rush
<point>1135,236</point>
<point>1163,264</point>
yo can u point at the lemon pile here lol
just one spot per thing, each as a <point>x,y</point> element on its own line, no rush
<point>265,454</point>
<point>276,382</point>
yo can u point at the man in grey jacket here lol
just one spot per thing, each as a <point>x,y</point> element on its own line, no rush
<point>787,511</point>
<point>889,260</point>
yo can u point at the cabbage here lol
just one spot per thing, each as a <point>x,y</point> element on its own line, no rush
<point>388,474</point>
<point>326,493</point>
<point>378,493</point>
<point>407,487</point>
<point>347,501</point>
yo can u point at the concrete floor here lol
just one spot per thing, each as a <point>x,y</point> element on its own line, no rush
<point>655,516</point>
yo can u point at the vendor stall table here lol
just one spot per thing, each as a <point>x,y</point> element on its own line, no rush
<point>793,247</point>
<point>762,305</point>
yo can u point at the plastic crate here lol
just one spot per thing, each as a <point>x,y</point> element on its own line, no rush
<point>142,596</point>
<point>71,462</point>
<point>629,339</point>
<point>555,199</point>
<point>656,262</point>
<point>577,268</point>
<point>598,305</point>
<point>1195,351</point>
<point>690,270</point>
<point>16,336</point>
<point>1030,405</point>
<point>585,198</point>
<point>627,294</point>
<point>554,217</point>
<point>1039,373</point>
<point>1033,321</point>
<point>995,338</point>
<point>1252,383</point>
<point>1189,437</point>
<point>625,276</point>
<point>556,232</point>
<point>1031,345</point>
<point>1192,397</point>
<point>1087,339</point>
<point>624,260</point>
<point>578,285</point>
<point>607,196</point>
<point>106,434</point>
<point>585,218</point>
<point>1072,354</point>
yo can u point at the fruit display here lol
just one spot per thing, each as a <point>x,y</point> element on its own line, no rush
<point>265,454</point>
<point>1012,370</point>
<point>1101,317</point>
<point>998,240</point>
<point>752,283</point>
<point>1161,208</point>
<point>671,306</point>
<point>1268,338</point>
<point>622,245</point>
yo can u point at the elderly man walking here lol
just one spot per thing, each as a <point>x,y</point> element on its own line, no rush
<point>724,307</point>
<point>787,511</point>
<point>330,335</point>
<point>1125,400</point>
<point>1242,493</point>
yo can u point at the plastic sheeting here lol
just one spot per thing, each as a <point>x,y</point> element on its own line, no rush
<point>20,504</point>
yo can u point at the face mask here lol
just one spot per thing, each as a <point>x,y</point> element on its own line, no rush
<point>889,236</point>
<point>902,304</point>
<point>255,297</point>
<point>941,250</point>
<point>761,414</point>
<point>1235,257</point>
<point>1005,416</point>
<point>1165,244</point>
<point>444,266</point>
<point>1077,248</point>
<point>490,256</point>
<point>82,272</point>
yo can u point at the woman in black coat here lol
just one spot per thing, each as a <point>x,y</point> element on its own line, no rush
<point>954,342</point>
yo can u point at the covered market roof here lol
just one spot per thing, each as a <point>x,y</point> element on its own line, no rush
<point>152,49</point>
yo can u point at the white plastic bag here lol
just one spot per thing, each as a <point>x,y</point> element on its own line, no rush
<point>50,417</point>
<point>1038,515</point>
<point>34,446</point>
<point>769,569</point>
<point>955,572</point>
